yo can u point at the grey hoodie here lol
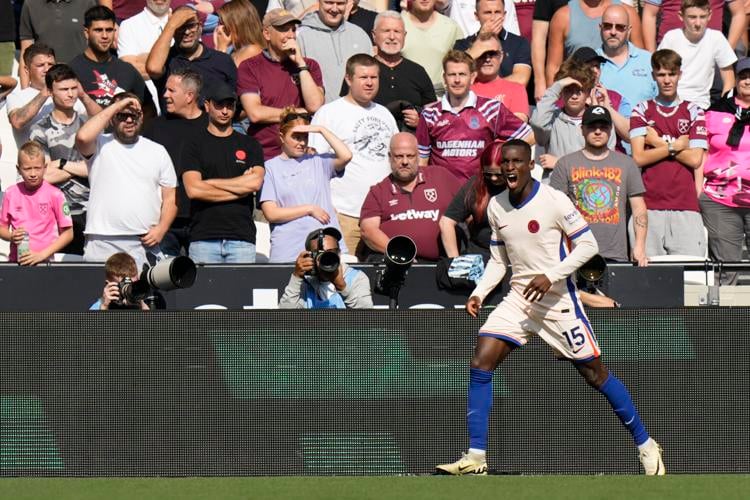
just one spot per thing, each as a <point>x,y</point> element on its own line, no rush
<point>331,49</point>
<point>559,133</point>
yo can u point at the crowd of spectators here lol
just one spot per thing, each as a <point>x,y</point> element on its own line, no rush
<point>170,126</point>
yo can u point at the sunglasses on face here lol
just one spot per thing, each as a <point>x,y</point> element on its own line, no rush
<point>296,116</point>
<point>492,175</point>
<point>491,53</point>
<point>622,28</point>
<point>123,117</point>
<point>190,26</point>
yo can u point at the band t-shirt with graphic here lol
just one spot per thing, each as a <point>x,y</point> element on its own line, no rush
<point>600,190</point>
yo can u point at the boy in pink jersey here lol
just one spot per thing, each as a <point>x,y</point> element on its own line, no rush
<point>35,209</point>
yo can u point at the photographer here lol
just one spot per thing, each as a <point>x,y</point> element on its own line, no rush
<point>118,267</point>
<point>313,286</point>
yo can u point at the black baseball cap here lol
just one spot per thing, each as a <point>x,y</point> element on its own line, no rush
<point>327,231</point>
<point>587,54</point>
<point>220,92</point>
<point>596,114</point>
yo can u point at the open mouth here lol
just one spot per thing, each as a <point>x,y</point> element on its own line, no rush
<point>511,179</point>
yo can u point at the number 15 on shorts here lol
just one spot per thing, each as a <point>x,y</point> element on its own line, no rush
<point>576,338</point>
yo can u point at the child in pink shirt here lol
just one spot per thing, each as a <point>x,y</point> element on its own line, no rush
<point>35,208</point>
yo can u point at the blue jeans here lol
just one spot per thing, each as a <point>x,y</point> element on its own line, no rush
<point>222,252</point>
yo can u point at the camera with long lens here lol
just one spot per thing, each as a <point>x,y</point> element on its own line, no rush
<point>324,261</point>
<point>168,274</point>
<point>400,253</point>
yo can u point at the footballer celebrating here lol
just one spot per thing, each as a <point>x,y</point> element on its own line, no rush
<point>531,224</point>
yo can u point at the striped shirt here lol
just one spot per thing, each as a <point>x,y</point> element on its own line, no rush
<point>455,140</point>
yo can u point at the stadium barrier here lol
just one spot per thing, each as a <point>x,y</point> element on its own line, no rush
<point>74,287</point>
<point>213,393</point>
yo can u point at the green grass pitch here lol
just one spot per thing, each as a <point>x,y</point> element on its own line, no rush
<point>364,488</point>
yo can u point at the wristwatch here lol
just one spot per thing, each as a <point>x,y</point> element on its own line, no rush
<point>670,148</point>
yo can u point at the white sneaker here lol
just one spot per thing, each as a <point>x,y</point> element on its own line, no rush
<point>651,460</point>
<point>468,464</point>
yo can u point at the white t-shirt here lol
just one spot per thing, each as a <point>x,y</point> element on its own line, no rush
<point>139,33</point>
<point>136,36</point>
<point>698,61</point>
<point>20,98</point>
<point>367,132</point>
<point>464,13</point>
<point>126,182</point>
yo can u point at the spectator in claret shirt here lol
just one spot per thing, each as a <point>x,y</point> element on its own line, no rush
<point>276,78</point>
<point>410,202</point>
<point>455,130</point>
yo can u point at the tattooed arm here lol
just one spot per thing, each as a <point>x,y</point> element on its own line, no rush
<point>640,226</point>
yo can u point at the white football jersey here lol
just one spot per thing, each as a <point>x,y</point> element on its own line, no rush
<point>534,238</point>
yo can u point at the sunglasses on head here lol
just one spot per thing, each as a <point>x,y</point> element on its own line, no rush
<point>124,116</point>
<point>296,116</point>
<point>622,28</point>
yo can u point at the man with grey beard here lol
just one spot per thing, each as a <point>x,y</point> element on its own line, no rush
<point>132,182</point>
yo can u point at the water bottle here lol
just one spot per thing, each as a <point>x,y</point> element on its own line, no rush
<point>23,247</point>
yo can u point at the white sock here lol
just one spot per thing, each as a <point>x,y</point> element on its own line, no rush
<point>477,453</point>
<point>648,444</point>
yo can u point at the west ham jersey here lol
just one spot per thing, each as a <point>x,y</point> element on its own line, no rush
<point>455,140</point>
<point>670,185</point>
<point>534,238</point>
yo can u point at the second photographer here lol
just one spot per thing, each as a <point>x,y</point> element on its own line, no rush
<point>321,281</point>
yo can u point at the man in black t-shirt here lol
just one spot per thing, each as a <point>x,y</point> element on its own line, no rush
<point>183,120</point>
<point>221,169</point>
<point>101,74</point>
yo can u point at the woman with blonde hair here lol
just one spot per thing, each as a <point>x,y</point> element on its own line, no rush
<point>296,193</point>
<point>240,32</point>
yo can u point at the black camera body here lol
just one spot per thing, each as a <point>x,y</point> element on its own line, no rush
<point>131,292</point>
<point>323,260</point>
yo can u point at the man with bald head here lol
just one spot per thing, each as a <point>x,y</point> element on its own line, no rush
<point>627,69</point>
<point>410,202</point>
